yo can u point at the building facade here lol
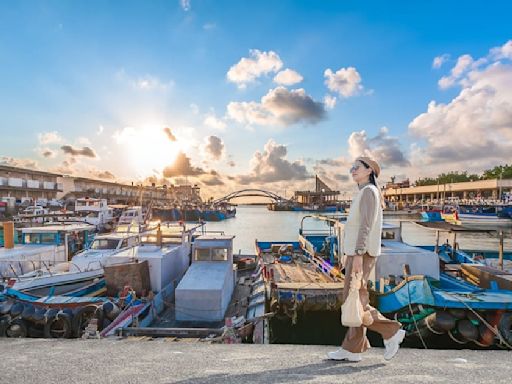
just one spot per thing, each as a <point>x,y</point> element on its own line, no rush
<point>493,189</point>
<point>28,185</point>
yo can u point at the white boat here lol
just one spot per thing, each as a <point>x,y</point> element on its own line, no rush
<point>95,212</point>
<point>32,214</point>
<point>132,215</point>
<point>205,291</point>
<point>83,268</point>
<point>167,250</point>
<point>43,247</point>
<point>167,254</point>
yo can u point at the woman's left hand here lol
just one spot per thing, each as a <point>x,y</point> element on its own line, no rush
<point>357,263</point>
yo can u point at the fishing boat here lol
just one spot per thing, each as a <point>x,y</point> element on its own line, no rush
<point>132,215</point>
<point>83,269</point>
<point>218,212</point>
<point>95,212</point>
<point>301,291</point>
<point>42,247</point>
<point>483,214</point>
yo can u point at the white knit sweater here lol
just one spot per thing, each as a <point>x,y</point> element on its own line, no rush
<point>353,225</point>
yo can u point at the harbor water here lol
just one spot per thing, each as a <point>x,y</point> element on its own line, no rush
<point>257,222</point>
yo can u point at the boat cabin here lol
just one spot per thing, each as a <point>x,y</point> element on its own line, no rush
<point>45,245</point>
<point>205,291</point>
<point>94,211</point>
<point>132,215</point>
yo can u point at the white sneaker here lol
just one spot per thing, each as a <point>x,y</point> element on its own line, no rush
<point>393,343</point>
<point>342,354</point>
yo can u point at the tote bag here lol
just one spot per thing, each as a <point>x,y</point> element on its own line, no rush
<point>352,311</point>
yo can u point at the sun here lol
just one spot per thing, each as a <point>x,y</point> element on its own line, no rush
<point>149,149</point>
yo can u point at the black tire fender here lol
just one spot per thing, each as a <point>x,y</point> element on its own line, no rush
<point>82,317</point>
<point>5,307</point>
<point>17,328</point>
<point>17,309</point>
<point>505,326</point>
<point>4,324</point>
<point>28,312</point>
<point>58,327</point>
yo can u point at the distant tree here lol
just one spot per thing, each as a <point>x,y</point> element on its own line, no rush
<point>503,171</point>
<point>450,177</point>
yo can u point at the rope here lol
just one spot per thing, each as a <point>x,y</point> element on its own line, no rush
<point>494,329</point>
<point>412,314</point>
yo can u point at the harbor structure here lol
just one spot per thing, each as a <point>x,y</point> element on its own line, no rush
<point>322,195</point>
<point>492,189</point>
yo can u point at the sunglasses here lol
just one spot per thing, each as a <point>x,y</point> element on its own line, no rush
<point>354,168</point>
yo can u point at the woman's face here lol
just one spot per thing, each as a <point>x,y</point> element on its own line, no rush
<point>360,174</point>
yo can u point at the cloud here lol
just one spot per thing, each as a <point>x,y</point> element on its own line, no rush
<point>503,52</point>
<point>213,121</point>
<point>194,108</point>
<point>383,148</point>
<point>185,5</point>
<point>271,165</point>
<point>46,138</point>
<point>463,64</point>
<point>102,174</point>
<point>214,147</point>
<point>169,134</point>
<point>333,162</point>
<point>100,130</point>
<point>209,26</point>
<point>231,163</point>
<point>212,179</point>
<point>150,83</point>
<point>440,60</point>
<point>278,107</point>
<point>48,153</point>
<point>182,167</point>
<point>474,128</point>
<point>85,151</point>
<point>288,77</point>
<point>329,101</point>
<point>247,70</point>
<point>21,163</point>
<point>345,81</point>
<point>83,141</point>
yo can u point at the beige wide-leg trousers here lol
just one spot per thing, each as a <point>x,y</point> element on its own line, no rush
<point>355,339</point>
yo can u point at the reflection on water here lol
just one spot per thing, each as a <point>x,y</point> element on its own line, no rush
<point>256,222</point>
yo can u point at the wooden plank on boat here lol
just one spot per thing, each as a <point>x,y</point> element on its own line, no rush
<point>313,285</point>
<point>484,275</point>
<point>124,319</point>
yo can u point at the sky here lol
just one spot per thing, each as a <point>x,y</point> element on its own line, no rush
<point>254,94</point>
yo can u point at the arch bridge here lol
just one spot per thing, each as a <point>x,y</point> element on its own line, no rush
<point>250,193</point>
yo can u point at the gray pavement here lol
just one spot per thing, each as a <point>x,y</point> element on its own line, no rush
<point>41,361</point>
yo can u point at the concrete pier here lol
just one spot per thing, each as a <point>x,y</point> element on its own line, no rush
<point>163,361</point>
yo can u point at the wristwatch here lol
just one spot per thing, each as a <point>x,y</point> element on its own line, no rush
<point>360,252</point>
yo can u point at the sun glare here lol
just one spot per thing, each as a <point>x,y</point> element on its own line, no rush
<point>148,149</point>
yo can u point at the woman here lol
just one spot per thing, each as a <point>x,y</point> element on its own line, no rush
<point>361,245</point>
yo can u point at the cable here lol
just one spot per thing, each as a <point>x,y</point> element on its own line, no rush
<point>412,313</point>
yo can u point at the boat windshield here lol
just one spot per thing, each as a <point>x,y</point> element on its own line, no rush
<point>104,244</point>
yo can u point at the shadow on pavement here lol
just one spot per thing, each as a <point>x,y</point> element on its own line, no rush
<point>286,375</point>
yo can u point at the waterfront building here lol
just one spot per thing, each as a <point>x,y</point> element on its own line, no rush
<point>34,186</point>
<point>26,184</point>
<point>480,190</point>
